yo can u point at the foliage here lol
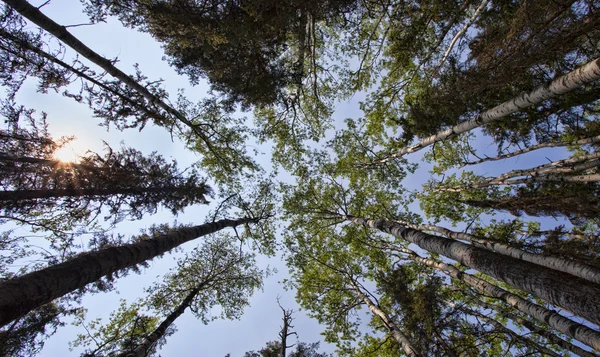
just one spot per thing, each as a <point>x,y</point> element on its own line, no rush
<point>126,328</point>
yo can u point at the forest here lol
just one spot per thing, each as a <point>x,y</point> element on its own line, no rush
<point>301,178</point>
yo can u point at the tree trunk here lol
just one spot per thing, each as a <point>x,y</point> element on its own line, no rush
<point>397,334</point>
<point>503,329</point>
<point>20,195</point>
<point>558,322</point>
<point>20,295</point>
<point>560,289</point>
<point>570,165</point>
<point>572,80</point>
<point>585,206</point>
<point>537,330</point>
<point>459,34</point>
<point>25,44</point>
<point>37,17</point>
<point>143,349</point>
<point>583,271</point>
<point>580,142</point>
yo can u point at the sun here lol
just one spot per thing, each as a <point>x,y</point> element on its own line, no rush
<point>68,153</point>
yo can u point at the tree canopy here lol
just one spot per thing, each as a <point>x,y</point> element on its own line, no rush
<point>422,176</point>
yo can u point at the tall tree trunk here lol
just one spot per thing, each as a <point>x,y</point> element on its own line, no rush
<point>551,172</point>
<point>581,270</point>
<point>537,330</point>
<point>396,333</point>
<point>560,289</point>
<point>585,206</point>
<point>459,34</point>
<point>503,329</point>
<point>572,80</point>
<point>20,195</point>
<point>545,178</point>
<point>26,45</point>
<point>25,293</point>
<point>143,349</point>
<point>284,333</point>
<point>37,17</point>
<point>551,144</point>
<point>556,321</point>
<point>565,166</point>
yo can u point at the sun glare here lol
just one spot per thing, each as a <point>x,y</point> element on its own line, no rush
<point>67,153</point>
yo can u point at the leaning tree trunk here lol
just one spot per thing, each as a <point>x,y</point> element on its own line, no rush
<point>537,330</point>
<point>142,349</point>
<point>550,144</point>
<point>581,270</point>
<point>572,80</point>
<point>26,45</point>
<point>560,289</point>
<point>503,329</point>
<point>397,334</point>
<point>556,321</point>
<point>37,17</point>
<point>20,295</point>
<point>20,195</point>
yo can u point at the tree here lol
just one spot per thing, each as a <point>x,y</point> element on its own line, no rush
<point>302,349</point>
<point>570,266</point>
<point>250,64</point>
<point>126,328</point>
<point>119,178</point>
<point>22,294</point>
<point>216,274</point>
<point>285,330</point>
<point>26,336</point>
<point>584,75</point>
<point>554,289</point>
<point>126,101</point>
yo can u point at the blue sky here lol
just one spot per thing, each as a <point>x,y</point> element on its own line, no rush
<point>261,322</point>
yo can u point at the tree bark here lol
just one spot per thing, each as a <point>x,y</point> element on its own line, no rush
<point>537,330</point>
<point>397,334</point>
<point>580,142</point>
<point>500,327</point>
<point>459,34</point>
<point>20,295</point>
<point>34,15</point>
<point>20,195</point>
<point>142,349</point>
<point>560,289</point>
<point>572,80</point>
<point>558,322</point>
<point>583,271</point>
<point>573,164</point>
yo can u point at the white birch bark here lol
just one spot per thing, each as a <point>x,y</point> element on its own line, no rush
<point>459,34</point>
<point>580,332</point>
<point>560,289</point>
<point>500,327</point>
<point>580,142</point>
<point>396,333</point>
<point>570,81</point>
<point>575,268</point>
<point>533,178</point>
<point>570,165</point>
<point>549,336</point>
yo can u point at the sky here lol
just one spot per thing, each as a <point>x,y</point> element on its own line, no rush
<point>262,320</point>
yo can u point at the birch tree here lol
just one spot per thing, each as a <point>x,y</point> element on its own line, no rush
<point>586,74</point>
